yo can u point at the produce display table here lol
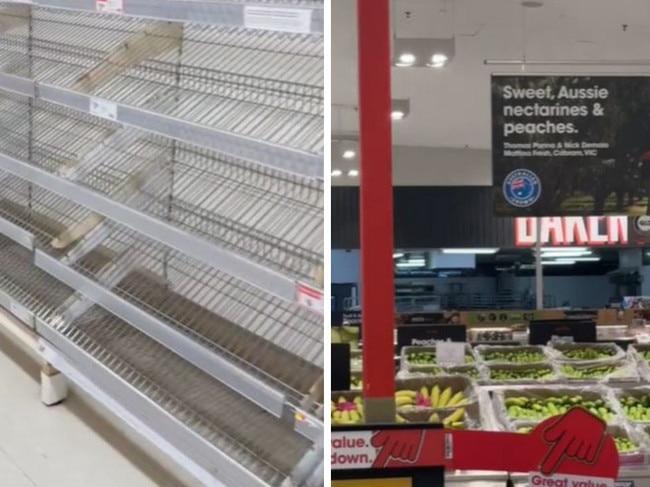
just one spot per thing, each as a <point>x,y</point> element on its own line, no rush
<point>421,383</point>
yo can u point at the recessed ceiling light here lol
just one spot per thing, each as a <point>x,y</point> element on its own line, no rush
<point>397,115</point>
<point>349,154</point>
<point>336,172</point>
<point>438,60</point>
<point>353,173</point>
<point>406,59</point>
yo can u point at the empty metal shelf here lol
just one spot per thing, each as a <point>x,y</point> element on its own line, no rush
<point>305,16</point>
<point>251,94</point>
<point>264,215</point>
<point>259,442</point>
<point>274,340</point>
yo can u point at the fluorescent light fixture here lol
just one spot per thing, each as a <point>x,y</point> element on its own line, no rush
<point>410,264</point>
<point>398,255</point>
<point>406,59</point>
<point>578,259</point>
<point>566,254</point>
<point>558,262</point>
<point>397,115</point>
<point>565,249</point>
<point>336,173</point>
<point>349,154</point>
<point>353,173</point>
<point>470,251</point>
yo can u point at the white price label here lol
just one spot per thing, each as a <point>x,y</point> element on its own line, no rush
<point>452,353</point>
<point>110,6</point>
<point>103,108</point>
<point>311,298</point>
<point>278,19</point>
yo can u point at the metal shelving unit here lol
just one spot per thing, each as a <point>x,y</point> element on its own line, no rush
<point>161,202</point>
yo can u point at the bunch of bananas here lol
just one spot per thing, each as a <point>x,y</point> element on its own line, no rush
<point>436,398</point>
<point>347,412</point>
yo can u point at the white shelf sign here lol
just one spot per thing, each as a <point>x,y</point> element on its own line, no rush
<point>278,19</point>
<point>451,353</point>
<point>110,6</point>
<point>103,108</point>
<point>311,298</point>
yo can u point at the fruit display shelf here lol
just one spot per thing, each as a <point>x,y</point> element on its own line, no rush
<point>634,403</point>
<point>535,404</point>
<point>521,373</point>
<point>605,371</point>
<point>528,354</point>
<point>585,352</point>
<point>433,393</point>
<point>414,358</point>
<point>470,371</point>
<point>451,400</point>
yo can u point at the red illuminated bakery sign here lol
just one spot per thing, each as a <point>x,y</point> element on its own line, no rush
<point>592,231</point>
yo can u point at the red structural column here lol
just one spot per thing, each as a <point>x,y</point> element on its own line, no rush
<point>376,194</point>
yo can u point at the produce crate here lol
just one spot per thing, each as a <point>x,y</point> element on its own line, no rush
<point>562,399</point>
<point>349,397</point>
<point>633,402</point>
<point>585,352</point>
<point>641,350</point>
<point>455,383</point>
<point>427,357</point>
<point>497,354</point>
<point>604,371</point>
<point>640,353</point>
<point>472,371</point>
<point>634,444</point>
<point>471,417</point>
<point>521,374</point>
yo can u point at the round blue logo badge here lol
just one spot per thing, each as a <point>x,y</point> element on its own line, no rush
<point>522,188</point>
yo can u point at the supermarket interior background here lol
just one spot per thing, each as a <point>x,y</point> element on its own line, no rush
<point>442,167</point>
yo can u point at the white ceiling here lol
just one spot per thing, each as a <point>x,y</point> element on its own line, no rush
<point>450,107</point>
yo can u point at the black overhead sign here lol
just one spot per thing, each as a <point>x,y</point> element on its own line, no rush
<point>570,145</point>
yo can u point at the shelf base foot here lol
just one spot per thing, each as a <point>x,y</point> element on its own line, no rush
<point>54,389</point>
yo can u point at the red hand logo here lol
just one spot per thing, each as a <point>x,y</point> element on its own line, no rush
<point>403,446</point>
<point>577,435</point>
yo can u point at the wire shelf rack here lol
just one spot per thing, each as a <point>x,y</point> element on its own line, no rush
<point>275,340</point>
<point>31,287</point>
<point>266,215</point>
<point>260,84</point>
<point>280,343</point>
<point>262,443</point>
